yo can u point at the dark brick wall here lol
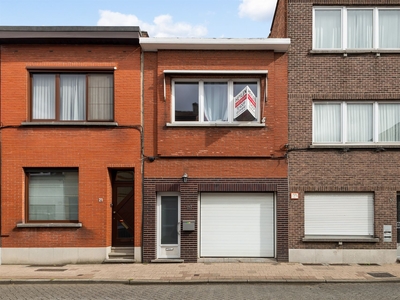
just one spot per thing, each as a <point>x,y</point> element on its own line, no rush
<point>189,209</point>
<point>356,77</point>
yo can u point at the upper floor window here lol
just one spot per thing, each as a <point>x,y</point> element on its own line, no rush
<point>72,97</point>
<point>215,100</point>
<point>344,28</point>
<point>355,122</point>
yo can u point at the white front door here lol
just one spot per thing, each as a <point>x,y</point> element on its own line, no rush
<point>168,225</point>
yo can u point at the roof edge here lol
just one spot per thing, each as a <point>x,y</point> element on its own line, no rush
<point>155,44</point>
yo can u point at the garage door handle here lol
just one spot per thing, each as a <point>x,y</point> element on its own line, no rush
<point>178,228</point>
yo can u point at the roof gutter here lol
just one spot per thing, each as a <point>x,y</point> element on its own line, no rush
<point>273,44</point>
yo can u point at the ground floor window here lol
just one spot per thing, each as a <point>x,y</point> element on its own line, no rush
<point>339,214</point>
<point>52,195</point>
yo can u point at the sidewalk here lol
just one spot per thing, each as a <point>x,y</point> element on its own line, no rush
<point>199,273</point>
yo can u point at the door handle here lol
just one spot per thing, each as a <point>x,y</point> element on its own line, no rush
<point>178,228</point>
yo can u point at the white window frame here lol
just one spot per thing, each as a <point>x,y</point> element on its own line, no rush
<point>230,82</point>
<point>338,215</point>
<point>344,10</point>
<point>343,105</point>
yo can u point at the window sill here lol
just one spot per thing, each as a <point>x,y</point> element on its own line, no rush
<point>73,123</point>
<point>49,225</point>
<point>350,239</point>
<point>353,51</point>
<point>194,124</point>
<point>355,146</point>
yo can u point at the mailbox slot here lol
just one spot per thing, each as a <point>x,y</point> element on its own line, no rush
<point>188,225</point>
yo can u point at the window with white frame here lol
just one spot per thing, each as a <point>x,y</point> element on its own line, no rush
<point>339,215</point>
<point>355,122</point>
<point>52,195</point>
<point>215,100</point>
<point>342,28</point>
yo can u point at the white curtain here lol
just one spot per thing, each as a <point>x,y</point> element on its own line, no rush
<point>328,29</point>
<point>43,97</point>
<point>53,195</point>
<point>327,123</point>
<point>215,101</point>
<point>359,123</point>
<point>101,91</point>
<point>72,97</point>
<point>359,28</point>
<point>389,122</point>
<point>389,28</point>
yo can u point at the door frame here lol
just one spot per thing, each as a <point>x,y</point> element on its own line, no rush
<point>158,229</point>
<point>114,185</point>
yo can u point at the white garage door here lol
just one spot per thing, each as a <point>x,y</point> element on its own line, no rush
<point>237,225</point>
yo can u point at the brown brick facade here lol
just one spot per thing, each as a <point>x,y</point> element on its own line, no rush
<point>356,77</point>
<point>189,205</point>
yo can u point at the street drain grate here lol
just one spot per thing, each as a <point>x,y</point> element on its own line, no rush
<point>196,274</point>
<point>45,266</point>
<point>339,265</point>
<point>367,264</point>
<point>311,264</point>
<point>381,275</point>
<point>51,270</point>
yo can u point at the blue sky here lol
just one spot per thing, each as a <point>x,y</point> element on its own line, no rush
<point>161,18</point>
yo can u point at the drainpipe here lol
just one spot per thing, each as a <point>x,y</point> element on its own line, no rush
<point>142,142</point>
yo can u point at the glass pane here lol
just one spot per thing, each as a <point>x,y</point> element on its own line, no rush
<point>327,29</point>
<point>186,101</point>
<point>126,176</point>
<point>72,97</point>
<point>122,230</point>
<point>359,28</point>
<point>215,101</point>
<point>389,122</point>
<point>359,123</point>
<point>388,20</point>
<point>327,123</point>
<point>245,105</point>
<point>122,192</point>
<point>53,195</point>
<point>169,220</point>
<point>101,95</point>
<point>44,96</point>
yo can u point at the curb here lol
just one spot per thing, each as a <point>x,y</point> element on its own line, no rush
<point>194,282</point>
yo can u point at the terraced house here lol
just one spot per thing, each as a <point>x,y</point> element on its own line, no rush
<point>215,131</point>
<point>344,133</point>
<point>70,144</point>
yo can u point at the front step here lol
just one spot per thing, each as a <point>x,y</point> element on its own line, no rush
<point>120,255</point>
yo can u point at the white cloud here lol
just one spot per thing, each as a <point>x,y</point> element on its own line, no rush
<point>162,26</point>
<point>257,10</point>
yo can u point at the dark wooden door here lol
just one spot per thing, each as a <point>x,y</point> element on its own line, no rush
<point>123,209</point>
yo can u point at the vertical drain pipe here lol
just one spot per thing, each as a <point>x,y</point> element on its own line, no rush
<point>142,140</point>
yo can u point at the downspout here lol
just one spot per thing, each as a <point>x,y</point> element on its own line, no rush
<point>142,142</point>
<point>1,165</point>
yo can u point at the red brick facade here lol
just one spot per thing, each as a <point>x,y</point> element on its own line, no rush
<point>224,159</point>
<point>93,150</point>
